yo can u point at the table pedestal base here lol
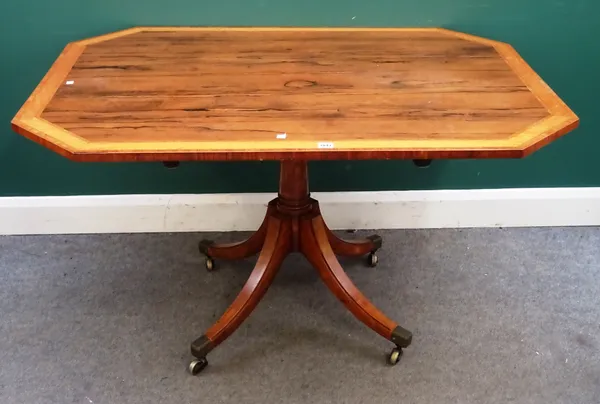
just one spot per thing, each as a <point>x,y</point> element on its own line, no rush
<point>293,223</point>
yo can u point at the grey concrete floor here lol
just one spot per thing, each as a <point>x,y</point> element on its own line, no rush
<point>498,316</point>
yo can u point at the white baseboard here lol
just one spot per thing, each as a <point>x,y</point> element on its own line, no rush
<point>342,210</point>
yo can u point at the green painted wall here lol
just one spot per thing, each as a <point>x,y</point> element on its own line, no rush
<point>557,37</point>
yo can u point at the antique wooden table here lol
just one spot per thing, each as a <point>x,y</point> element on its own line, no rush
<point>292,94</point>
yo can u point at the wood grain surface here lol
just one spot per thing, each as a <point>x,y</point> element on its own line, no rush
<point>227,93</point>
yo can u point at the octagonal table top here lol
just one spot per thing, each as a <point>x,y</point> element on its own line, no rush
<point>223,93</point>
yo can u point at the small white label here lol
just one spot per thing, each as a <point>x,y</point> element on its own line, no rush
<point>325,145</point>
<point>281,135</point>
<point>70,82</point>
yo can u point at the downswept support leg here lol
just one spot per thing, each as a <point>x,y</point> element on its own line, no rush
<point>239,250</point>
<point>317,249</point>
<point>276,247</point>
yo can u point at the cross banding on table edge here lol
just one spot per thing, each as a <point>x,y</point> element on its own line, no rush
<point>293,223</point>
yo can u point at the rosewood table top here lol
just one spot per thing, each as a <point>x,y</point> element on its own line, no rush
<point>183,93</point>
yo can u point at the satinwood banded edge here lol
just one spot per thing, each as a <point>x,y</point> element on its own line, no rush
<point>49,135</point>
<point>563,119</point>
<point>28,122</point>
<point>167,28</point>
<point>46,89</point>
<point>109,36</point>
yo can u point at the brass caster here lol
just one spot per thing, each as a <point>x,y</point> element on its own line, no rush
<point>372,259</point>
<point>196,366</point>
<point>209,263</point>
<point>395,356</point>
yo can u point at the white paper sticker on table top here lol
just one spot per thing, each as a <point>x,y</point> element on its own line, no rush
<point>325,145</point>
